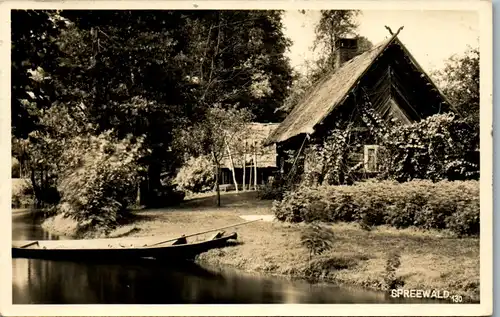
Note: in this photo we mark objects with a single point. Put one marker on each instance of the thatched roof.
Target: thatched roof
(331, 92)
(255, 133)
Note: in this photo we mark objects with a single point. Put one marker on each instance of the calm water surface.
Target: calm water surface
(58, 282)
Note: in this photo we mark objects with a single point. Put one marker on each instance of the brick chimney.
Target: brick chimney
(345, 49)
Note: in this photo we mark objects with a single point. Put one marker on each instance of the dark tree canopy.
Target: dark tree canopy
(33, 47)
(144, 73)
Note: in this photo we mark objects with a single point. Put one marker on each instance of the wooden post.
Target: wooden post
(244, 164)
(232, 166)
(138, 198)
(255, 164)
(251, 177)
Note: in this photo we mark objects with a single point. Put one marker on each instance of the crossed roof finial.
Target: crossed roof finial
(390, 31)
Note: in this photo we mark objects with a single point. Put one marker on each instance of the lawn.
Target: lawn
(430, 260)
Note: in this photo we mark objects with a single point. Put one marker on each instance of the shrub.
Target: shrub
(100, 181)
(465, 221)
(15, 168)
(391, 281)
(197, 175)
(317, 239)
(22, 193)
(424, 204)
(436, 148)
(273, 190)
(296, 205)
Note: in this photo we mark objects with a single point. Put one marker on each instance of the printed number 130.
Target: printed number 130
(456, 298)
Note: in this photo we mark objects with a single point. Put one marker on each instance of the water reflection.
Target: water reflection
(60, 282)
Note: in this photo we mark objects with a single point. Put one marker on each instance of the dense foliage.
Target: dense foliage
(440, 147)
(459, 81)
(212, 136)
(143, 75)
(274, 190)
(196, 175)
(422, 204)
(34, 56)
(99, 180)
(22, 194)
(317, 239)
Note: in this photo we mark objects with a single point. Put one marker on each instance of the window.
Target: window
(371, 158)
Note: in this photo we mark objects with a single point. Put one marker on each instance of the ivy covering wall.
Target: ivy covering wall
(439, 147)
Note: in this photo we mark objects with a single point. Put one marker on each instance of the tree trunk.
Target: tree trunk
(232, 166)
(154, 184)
(36, 190)
(138, 198)
(217, 188)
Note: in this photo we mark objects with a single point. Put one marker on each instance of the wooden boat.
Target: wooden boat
(117, 249)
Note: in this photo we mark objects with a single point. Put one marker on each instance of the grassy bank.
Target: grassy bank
(429, 259)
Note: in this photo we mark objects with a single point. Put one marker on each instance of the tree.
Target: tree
(364, 44)
(238, 58)
(180, 62)
(212, 135)
(34, 55)
(126, 68)
(145, 73)
(98, 180)
(332, 25)
(459, 80)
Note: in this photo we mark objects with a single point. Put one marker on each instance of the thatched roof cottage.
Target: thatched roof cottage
(388, 75)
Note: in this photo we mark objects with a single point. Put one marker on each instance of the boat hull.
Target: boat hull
(168, 253)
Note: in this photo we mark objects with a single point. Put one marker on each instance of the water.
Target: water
(58, 282)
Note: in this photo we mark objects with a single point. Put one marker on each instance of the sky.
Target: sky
(431, 36)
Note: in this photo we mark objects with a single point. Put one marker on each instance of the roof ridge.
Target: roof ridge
(381, 46)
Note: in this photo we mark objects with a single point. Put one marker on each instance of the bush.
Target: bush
(22, 193)
(465, 221)
(317, 239)
(15, 168)
(436, 148)
(100, 181)
(197, 175)
(423, 204)
(273, 190)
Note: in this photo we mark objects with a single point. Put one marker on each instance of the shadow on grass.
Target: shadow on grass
(234, 243)
(229, 200)
(134, 218)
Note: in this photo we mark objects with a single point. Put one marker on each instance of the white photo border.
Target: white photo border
(485, 307)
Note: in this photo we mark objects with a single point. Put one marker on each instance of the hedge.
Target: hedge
(422, 204)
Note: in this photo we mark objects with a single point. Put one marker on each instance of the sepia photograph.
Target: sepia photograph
(197, 154)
